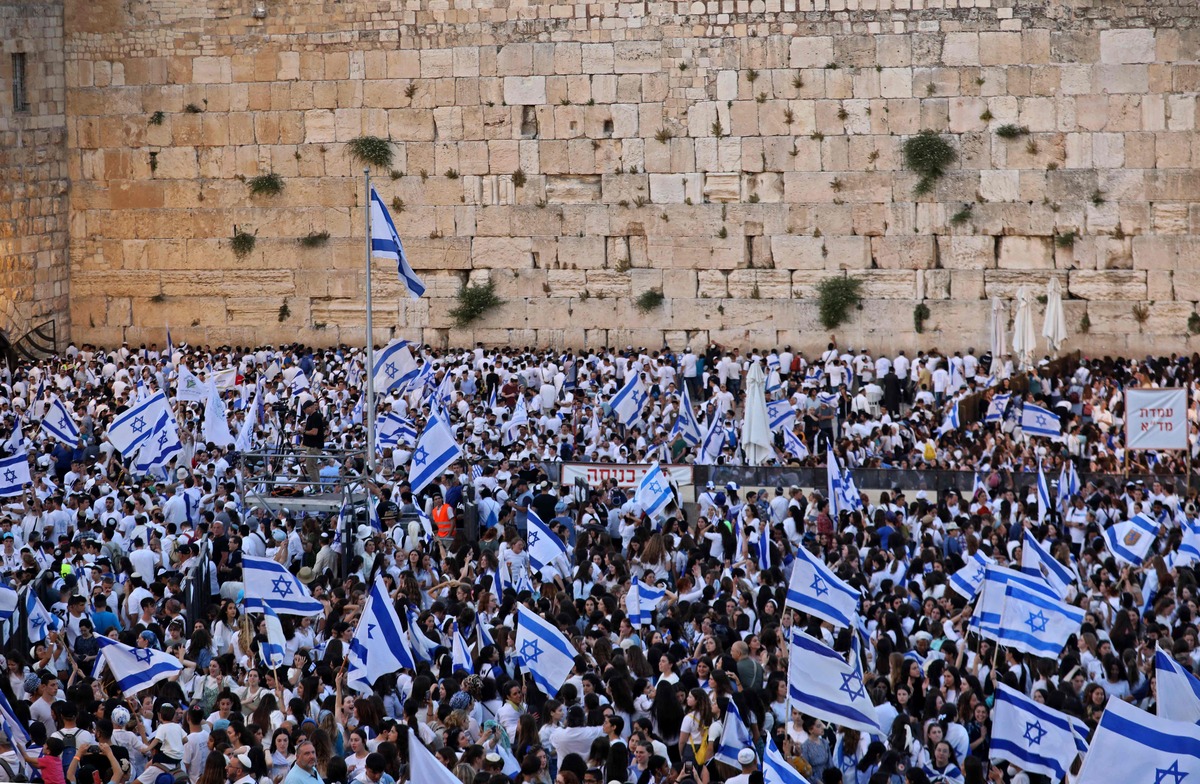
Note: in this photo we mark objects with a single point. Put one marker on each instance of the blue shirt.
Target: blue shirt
(298, 775)
(102, 621)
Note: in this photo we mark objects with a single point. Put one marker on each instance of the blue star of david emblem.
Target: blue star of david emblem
(391, 370)
(1041, 420)
(420, 456)
(281, 586)
(63, 424)
(1173, 773)
(533, 538)
(139, 424)
(37, 621)
(10, 476)
(977, 577)
(143, 655)
(1034, 732)
(1037, 622)
(162, 440)
(818, 585)
(852, 684)
(530, 651)
(654, 487)
(370, 628)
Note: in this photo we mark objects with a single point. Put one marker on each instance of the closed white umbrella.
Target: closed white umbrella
(999, 325)
(1055, 328)
(1024, 338)
(757, 444)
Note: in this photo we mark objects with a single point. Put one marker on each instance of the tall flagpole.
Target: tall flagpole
(369, 413)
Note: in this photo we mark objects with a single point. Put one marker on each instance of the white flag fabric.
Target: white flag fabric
(1037, 561)
(969, 579)
(380, 645)
(686, 425)
(1037, 421)
(520, 418)
(734, 738)
(545, 548)
(136, 424)
(391, 430)
(776, 769)
(394, 367)
(1032, 736)
(1035, 624)
(436, 450)
(985, 620)
(1129, 540)
(39, 621)
(423, 766)
(1044, 504)
(157, 451)
(59, 423)
(188, 386)
(816, 590)
(780, 415)
(835, 488)
(823, 684)
(654, 492)
(1178, 689)
(268, 583)
(641, 601)
(245, 436)
(460, 653)
(713, 441)
(627, 404)
(14, 474)
(386, 244)
(14, 729)
(216, 420)
(1132, 745)
(795, 447)
(8, 603)
(543, 651)
(274, 650)
(137, 668)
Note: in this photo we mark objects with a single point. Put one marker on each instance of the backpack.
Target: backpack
(70, 746)
(702, 753)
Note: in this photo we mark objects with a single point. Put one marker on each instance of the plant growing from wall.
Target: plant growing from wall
(1066, 240)
(473, 303)
(1085, 323)
(649, 300)
(242, 243)
(929, 155)
(835, 298)
(1010, 131)
(962, 216)
(315, 239)
(370, 151)
(1141, 314)
(920, 316)
(519, 178)
(285, 312)
(1193, 324)
(270, 184)
(157, 118)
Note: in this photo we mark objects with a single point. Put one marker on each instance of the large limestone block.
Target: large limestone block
(811, 51)
(1127, 46)
(712, 284)
(760, 284)
(795, 252)
(502, 252)
(903, 252)
(637, 57)
(1108, 284)
(1026, 253)
(721, 187)
(1004, 283)
(967, 252)
(960, 49)
(524, 90)
(573, 189)
(890, 284)
(680, 283)
(605, 283)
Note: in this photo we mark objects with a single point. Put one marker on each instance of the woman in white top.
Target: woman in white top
(356, 760)
(696, 724)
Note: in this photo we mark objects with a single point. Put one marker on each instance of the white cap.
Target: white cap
(747, 757)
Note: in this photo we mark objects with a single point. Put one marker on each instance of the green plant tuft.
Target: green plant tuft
(835, 298)
(987, 115)
(920, 316)
(159, 298)
(1085, 323)
(473, 303)
(1066, 240)
(752, 76)
(1010, 131)
(315, 239)
(723, 233)
(270, 184)
(717, 130)
(664, 135)
(285, 312)
(370, 151)
(929, 155)
(962, 216)
(649, 300)
(519, 178)
(1097, 197)
(1193, 324)
(192, 108)
(1141, 314)
(242, 242)
(452, 174)
(397, 204)
(157, 118)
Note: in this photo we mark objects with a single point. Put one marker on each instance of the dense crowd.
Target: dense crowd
(112, 552)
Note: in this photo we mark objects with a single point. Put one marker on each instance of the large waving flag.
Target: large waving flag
(188, 386)
(985, 620)
(795, 447)
(14, 729)
(520, 418)
(391, 430)
(835, 485)
(1189, 546)
(1032, 736)
(1178, 689)
(8, 602)
(216, 419)
(686, 425)
(268, 583)
(136, 424)
(461, 653)
(776, 769)
(1044, 504)
(422, 646)
(1037, 560)
(627, 404)
(1130, 540)
(39, 621)
(816, 590)
(1068, 484)
(543, 651)
(952, 420)
(1132, 745)
(157, 451)
(14, 474)
(245, 436)
(1035, 624)
(654, 492)
(436, 450)
(713, 441)
(823, 684)
(641, 601)
(274, 650)
(1037, 421)
(394, 366)
(780, 415)
(544, 545)
(423, 766)
(385, 244)
(734, 737)
(969, 579)
(59, 423)
(137, 668)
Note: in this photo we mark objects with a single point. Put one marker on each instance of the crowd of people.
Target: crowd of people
(112, 552)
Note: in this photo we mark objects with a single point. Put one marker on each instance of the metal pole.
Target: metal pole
(369, 412)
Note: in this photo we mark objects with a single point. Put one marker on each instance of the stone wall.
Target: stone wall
(730, 153)
(33, 170)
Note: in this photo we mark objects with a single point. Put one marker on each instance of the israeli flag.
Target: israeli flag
(627, 404)
(394, 367)
(373, 514)
(1037, 421)
(268, 583)
(686, 425)
(654, 492)
(1178, 689)
(969, 579)
(391, 430)
(776, 769)
(133, 427)
(985, 620)
(816, 590)
(494, 399)
(16, 439)
(520, 418)
(461, 654)
(245, 436)
(436, 450)
(380, 645)
(8, 602)
(543, 651)
(544, 545)
(1032, 736)
(734, 737)
(710, 445)
(795, 447)
(850, 493)
(1044, 504)
(136, 668)
(996, 408)
(977, 487)
(1035, 624)
(158, 450)
(423, 766)
(641, 601)
(422, 646)
(823, 684)
(835, 486)
(952, 421)
(39, 621)
(1129, 540)
(59, 423)
(1189, 546)
(1068, 484)
(780, 415)
(12, 725)
(385, 244)
(483, 637)
(274, 650)
(763, 545)
(828, 398)
(1037, 560)
(14, 474)
(1132, 745)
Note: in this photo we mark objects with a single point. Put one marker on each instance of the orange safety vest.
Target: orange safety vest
(443, 517)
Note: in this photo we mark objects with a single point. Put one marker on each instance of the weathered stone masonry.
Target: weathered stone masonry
(732, 153)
